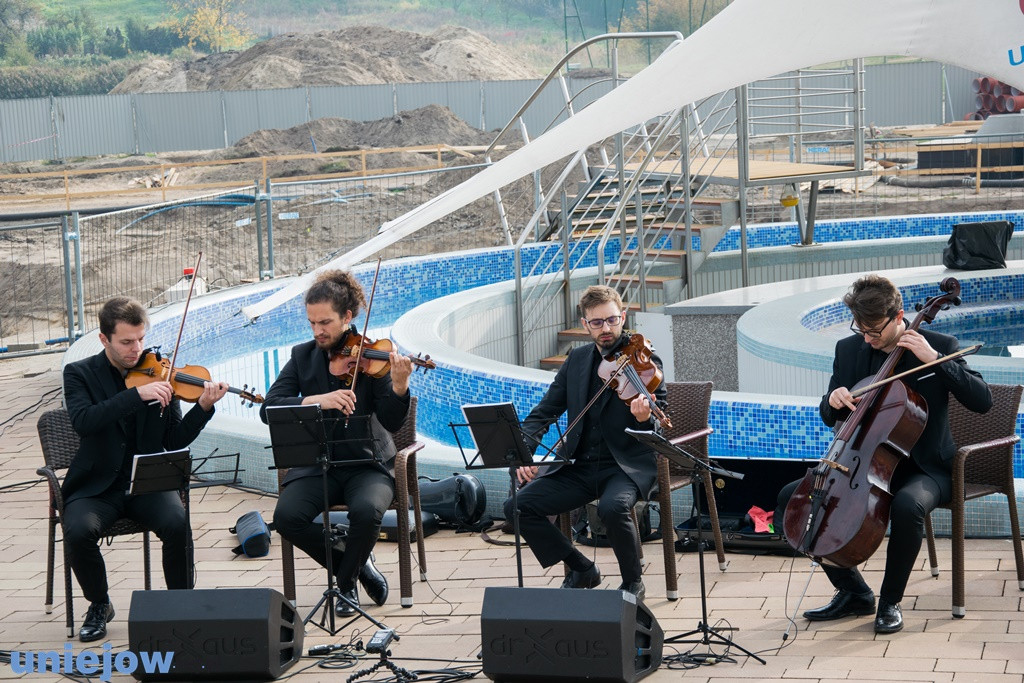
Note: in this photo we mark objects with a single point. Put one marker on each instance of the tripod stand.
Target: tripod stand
(708, 635)
(299, 439)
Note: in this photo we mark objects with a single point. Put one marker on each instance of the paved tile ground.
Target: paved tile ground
(752, 596)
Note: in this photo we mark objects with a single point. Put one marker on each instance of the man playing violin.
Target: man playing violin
(377, 407)
(605, 463)
(116, 423)
(921, 482)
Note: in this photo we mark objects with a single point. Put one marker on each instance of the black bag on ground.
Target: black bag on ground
(760, 486)
(458, 501)
(253, 535)
(978, 246)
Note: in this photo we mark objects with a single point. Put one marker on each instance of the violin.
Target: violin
(186, 381)
(374, 360)
(840, 510)
(639, 374)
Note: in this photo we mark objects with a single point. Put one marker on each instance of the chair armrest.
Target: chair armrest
(976, 449)
(405, 470)
(56, 497)
(691, 436)
(414, 447)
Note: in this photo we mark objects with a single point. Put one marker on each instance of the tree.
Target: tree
(214, 24)
(14, 14)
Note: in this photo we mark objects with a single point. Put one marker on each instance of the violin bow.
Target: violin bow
(366, 327)
(181, 327)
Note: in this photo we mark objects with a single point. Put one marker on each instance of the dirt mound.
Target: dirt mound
(428, 125)
(351, 56)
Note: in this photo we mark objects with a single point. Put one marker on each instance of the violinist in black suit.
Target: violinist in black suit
(115, 424)
(606, 463)
(924, 480)
(378, 408)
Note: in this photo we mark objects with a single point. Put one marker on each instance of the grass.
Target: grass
(112, 12)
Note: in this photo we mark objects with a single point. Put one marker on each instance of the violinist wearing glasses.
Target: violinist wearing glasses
(606, 463)
(115, 424)
(367, 489)
(919, 483)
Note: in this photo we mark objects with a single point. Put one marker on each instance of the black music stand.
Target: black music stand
(298, 438)
(500, 442)
(679, 456)
(166, 471)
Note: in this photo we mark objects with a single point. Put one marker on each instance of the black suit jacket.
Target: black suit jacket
(307, 374)
(98, 411)
(934, 450)
(568, 392)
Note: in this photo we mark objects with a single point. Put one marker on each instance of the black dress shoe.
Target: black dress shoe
(374, 583)
(343, 608)
(634, 587)
(844, 604)
(95, 626)
(585, 579)
(889, 618)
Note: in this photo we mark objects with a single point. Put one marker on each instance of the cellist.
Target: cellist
(921, 482)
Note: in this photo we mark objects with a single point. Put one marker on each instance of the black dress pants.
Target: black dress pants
(915, 495)
(572, 486)
(86, 521)
(367, 490)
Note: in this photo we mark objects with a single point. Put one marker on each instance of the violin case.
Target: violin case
(763, 479)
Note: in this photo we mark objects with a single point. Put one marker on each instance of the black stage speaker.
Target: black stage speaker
(564, 634)
(224, 634)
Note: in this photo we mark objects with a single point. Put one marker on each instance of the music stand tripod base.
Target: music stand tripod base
(679, 456)
(298, 437)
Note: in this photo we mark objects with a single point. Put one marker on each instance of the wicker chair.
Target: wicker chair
(406, 489)
(983, 465)
(60, 444)
(688, 406)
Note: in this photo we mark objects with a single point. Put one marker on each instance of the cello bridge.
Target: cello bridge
(836, 466)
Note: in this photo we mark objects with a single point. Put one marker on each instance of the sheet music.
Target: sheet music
(164, 471)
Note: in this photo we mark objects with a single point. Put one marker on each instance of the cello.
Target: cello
(839, 512)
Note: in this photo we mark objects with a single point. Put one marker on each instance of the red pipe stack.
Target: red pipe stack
(994, 97)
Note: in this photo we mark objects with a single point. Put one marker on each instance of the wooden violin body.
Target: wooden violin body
(374, 360)
(186, 381)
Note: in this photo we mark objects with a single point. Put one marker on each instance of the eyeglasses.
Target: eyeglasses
(598, 323)
(874, 334)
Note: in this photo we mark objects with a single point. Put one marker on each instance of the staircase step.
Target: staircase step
(574, 334)
(652, 281)
(633, 307)
(552, 362)
(660, 254)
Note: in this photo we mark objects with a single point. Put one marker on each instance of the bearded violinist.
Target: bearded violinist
(115, 424)
(605, 463)
(368, 488)
(921, 482)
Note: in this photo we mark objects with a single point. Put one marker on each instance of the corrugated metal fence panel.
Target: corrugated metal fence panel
(78, 136)
(465, 99)
(502, 100)
(241, 114)
(26, 132)
(281, 107)
(179, 120)
(246, 111)
(356, 102)
(959, 95)
(903, 94)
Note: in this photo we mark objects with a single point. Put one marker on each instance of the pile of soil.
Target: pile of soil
(358, 55)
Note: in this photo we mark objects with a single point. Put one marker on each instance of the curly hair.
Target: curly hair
(338, 287)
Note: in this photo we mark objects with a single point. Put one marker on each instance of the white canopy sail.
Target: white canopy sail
(747, 41)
